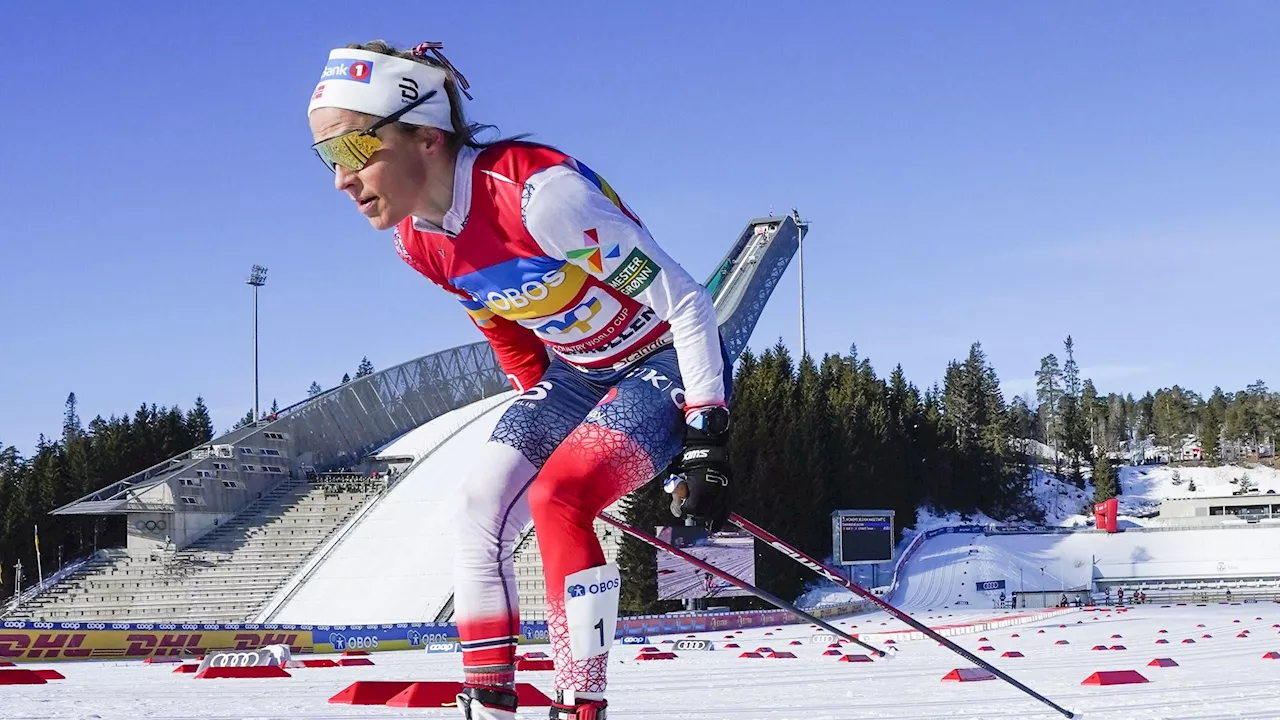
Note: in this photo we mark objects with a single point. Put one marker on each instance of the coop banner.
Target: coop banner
(733, 553)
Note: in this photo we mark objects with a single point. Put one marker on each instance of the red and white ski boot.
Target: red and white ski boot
(487, 703)
(577, 709)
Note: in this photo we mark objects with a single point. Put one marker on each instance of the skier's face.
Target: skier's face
(394, 181)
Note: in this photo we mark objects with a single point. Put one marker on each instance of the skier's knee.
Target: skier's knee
(552, 497)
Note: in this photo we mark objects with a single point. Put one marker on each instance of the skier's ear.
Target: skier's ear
(428, 138)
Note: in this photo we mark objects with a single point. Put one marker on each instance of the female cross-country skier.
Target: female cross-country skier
(544, 256)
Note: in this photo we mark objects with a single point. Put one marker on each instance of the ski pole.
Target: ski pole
(762, 594)
(830, 574)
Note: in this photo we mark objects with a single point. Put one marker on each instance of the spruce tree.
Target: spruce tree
(1106, 484)
(245, 421)
(1211, 421)
(1095, 417)
(345, 378)
(365, 368)
(1145, 416)
(1074, 430)
(71, 418)
(1049, 397)
(199, 423)
(314, 390)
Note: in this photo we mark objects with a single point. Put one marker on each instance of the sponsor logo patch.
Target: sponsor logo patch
(634, 275)
(579, 319)
(348, 69)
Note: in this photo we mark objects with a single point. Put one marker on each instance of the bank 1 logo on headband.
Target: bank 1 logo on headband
(347, 69)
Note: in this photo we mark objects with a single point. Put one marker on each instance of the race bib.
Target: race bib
(591, 609)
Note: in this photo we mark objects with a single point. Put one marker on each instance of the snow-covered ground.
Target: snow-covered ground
(1143, 487)
(944, 570)
(1216, 678)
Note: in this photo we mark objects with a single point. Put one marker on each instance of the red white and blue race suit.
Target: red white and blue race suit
(544, 255)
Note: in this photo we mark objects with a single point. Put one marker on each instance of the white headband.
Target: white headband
(378, 84)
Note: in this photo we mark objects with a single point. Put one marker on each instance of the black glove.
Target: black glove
(704, 464)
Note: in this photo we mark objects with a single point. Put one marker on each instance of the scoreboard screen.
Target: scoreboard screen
(862, 536)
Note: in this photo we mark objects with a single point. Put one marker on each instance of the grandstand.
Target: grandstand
(262, 524)
(226, 575)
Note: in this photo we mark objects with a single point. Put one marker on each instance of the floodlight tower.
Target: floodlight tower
(257, 278)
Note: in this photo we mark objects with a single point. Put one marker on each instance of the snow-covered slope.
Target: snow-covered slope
(396, 565)
(1143, 487)
(417, 441)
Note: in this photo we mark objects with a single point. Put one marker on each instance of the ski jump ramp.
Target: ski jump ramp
(395, 564)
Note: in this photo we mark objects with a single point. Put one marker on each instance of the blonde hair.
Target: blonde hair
(464, 133)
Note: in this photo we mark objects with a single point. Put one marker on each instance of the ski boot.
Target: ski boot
(577, 709)
(487, 703)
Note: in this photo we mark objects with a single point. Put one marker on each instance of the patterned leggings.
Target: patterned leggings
(565, 450)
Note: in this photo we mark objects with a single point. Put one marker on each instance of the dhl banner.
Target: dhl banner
(45, 641)
(99, 641)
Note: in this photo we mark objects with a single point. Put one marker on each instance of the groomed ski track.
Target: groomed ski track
(1217, 678)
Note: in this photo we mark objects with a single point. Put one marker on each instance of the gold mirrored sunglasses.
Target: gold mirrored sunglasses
(353, 149)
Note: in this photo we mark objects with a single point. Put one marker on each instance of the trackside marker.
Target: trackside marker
(444, 694)
(653, 656)
(20, 677)
(369, 692)
(1114, 677)
(968, 675)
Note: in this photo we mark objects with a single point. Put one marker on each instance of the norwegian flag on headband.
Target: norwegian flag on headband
(434, 48)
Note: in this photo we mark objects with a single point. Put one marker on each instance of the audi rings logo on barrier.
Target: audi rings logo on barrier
(151, 525)
(262, 657)
(684, 645)
(235, 659)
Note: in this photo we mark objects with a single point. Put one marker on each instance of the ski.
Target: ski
(831, 574)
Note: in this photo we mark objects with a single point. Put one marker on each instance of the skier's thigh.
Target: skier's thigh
(544, 415)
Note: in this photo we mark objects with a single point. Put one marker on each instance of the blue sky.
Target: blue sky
(998, 171)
